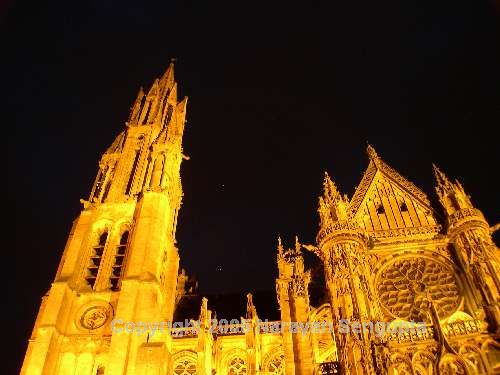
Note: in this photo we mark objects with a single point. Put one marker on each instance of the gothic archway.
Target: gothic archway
(235, 363)
(491, 355)
(451, 364)
(184, 363)
(399, 364)
(274, 364)
(324, 348)
(472, 354)
(423, 363)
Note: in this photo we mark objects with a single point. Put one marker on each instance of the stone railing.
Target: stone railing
(339, 226)
(225, 329)
(231, 329)
(184, 331)
(216, 329)
(460, 328)
(419, 333)
(429, 230)
(422, 333)
(465, 213)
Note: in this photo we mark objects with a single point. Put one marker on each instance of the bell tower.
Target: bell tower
(120, 262)
(343, 247)
(293, 299)
(474, 250)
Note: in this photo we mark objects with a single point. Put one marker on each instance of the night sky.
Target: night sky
(277, 95)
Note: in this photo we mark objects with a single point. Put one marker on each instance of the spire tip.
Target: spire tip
(370, 150)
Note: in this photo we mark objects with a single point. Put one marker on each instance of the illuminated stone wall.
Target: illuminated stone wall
(386, 258)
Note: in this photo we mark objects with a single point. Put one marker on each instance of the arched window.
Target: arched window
(106, 191)
(185, 366)
(157, 171)
(170, 110)
(237, 366)
(276, 365)
(380, 209)
(95, 259)
(453, 202)
(101, 177)
(141, 107)
(119, 262)
(128, 188)
(145, 118)
(132, 172)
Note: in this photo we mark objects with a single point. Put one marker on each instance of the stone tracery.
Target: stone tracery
(405, 285)
(381, 252)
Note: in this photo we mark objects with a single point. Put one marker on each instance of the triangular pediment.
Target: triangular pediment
(386, 203)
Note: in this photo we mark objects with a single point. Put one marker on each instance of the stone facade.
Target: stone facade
(386, 259)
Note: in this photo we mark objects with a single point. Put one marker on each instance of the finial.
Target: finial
(327, 178)
(441, 178)
(451, 194)
(297, 244)
(327, 181)
(168, 76)
(280, 246)
(372, 154)
(494, 228)
(437, 171)
(330, 191)
(251, 311)
(249, 300)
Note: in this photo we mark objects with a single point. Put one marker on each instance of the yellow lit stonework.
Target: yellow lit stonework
(386, 258)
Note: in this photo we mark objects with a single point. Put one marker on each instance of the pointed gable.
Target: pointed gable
(386, 201)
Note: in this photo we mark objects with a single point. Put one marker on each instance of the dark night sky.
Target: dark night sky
(277, 95)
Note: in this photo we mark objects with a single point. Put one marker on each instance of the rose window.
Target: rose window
(237, 367)
(405, 285)
(95, 317)
(277, 365)
(185, 367)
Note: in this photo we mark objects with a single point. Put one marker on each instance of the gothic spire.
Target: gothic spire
(136, 107)
(251, 310)
(330, 191)
(372, 154)
(451, 194)
(297, 245)
(154, 89)
(168, 77)
(442, 181)
(332, 205)
(280, 246)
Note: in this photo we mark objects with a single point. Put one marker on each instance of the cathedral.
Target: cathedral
(401, 290)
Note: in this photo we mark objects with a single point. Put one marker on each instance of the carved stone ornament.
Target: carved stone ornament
(94, 315)
(405, 284)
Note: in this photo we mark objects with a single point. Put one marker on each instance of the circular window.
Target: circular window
(94, 315)
(405, 285)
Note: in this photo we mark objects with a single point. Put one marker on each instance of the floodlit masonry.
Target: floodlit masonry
(385, 255)
(235, 326)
